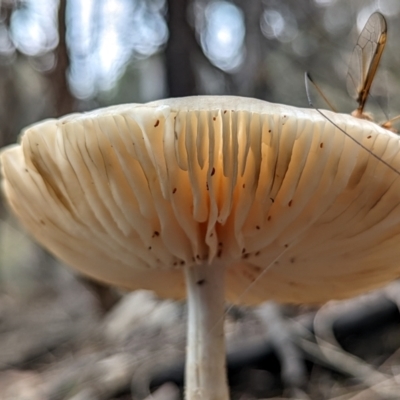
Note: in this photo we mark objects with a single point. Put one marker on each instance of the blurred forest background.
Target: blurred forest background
(77, 55)
(58, 57)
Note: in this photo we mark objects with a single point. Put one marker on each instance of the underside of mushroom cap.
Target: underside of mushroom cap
(133, 194)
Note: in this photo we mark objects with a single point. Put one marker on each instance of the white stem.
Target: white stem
(205, 355)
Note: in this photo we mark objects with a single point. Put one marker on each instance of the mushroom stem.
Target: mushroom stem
(205, 356)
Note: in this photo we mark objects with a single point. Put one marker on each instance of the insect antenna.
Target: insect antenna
(321, 93)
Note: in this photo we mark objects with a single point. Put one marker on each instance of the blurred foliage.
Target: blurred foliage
(130, 50)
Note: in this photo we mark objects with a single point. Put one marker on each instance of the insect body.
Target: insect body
(364, 63)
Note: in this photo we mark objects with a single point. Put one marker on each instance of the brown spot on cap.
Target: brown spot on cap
(269, 218)
(369, 137)
(157, 123)
(258, 227)
(214, 118)
(321, 145)
(174, 191)
(213, 171)
(201, 282)
(290, 203)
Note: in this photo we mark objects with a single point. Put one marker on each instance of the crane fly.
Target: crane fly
(363, 65)
(365, 60)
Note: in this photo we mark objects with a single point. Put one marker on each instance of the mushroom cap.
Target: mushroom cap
(133, 194)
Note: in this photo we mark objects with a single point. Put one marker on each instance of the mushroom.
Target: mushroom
(217, 198)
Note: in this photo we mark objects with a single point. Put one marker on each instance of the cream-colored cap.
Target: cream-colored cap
(133, 194)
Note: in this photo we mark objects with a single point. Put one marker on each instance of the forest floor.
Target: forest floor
(58, 341)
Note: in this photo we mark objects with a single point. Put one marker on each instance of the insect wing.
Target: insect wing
(365, 58)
